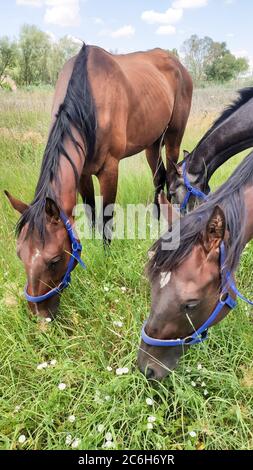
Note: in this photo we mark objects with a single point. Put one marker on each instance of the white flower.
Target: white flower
(108, 436)
(199, 367)
(22, 439)
(192, 433)
(188, 369)
(119, 371)
(118, 323)
(17, 408)
(100, 428)
(106, 289)
(123, 289)
(193, 384)
(109, 368)
(43, 365)
(107, 398)
(150, 426)
(68, 439)
(151, 419)
(203, 384)
(48, 319)
(149, 401)
(108, 445)
(116, 301)
(125, 370)
(75, 443)
(62, 386)
(205, 392)
(53, 362)
(71, 418)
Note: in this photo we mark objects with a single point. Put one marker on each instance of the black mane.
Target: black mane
(230, 197)
(76, 112)
(244, 96)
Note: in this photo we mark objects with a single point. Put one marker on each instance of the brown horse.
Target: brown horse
(106, 107)
(187, 282)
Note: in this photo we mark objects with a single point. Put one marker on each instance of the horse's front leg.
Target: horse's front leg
(155, 162)
(108, 180)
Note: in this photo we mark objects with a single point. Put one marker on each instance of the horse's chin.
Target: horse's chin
(158, 363)
(47, 309)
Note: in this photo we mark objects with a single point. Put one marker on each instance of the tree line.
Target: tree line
(35, 59)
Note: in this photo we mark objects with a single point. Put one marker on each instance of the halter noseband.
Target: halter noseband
(201, 334)
(66, 280)
(191, 191)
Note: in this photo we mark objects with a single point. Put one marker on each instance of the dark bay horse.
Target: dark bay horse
(106, 107)
(192, 286)
(231, 133)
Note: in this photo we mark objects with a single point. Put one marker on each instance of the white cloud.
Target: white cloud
(52, 36)
(75, 39)
(98, 20)
(124, 31)
(229, 2)
(63, 12)
(230, 35)
(30, 3)
(184, 4)
(170, 16)
(166, 29)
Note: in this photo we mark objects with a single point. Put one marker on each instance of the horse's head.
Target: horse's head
(45, 261)
(183, 298)
(178, 188)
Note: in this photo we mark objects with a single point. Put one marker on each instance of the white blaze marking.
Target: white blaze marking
(165, 279)
(36, 255)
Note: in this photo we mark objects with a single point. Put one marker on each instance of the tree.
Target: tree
(196, 54)
(61, 51)
(8, 56)
(35, 48)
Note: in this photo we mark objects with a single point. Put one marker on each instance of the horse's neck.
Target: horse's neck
(248, 196)
(234, 135)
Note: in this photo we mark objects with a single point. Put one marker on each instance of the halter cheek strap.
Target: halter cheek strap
(191, 191)
(201, 334)
(76, 249)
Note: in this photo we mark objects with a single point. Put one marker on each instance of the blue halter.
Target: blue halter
(191, 191)
(201, 334)
(66, 280)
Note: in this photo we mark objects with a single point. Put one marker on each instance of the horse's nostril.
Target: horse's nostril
(150, 373)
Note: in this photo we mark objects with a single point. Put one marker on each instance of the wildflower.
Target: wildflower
(17, 408)
(109, 368)
(205, 392)
(150, 426)
(43, 365)
(118, 323)
(193, 384)
(119, 371)
(68, 439)
(199, 367)
(116, 301)
(53, 362)
(188, 369)
(75, 443)
(108, 436)
(107, 398)
(125, 370)
(106, 289)
(48, 319)
(203, 384)
(100, 428)
(149, 401)
(62, 386)
(123, 289)
(71, 418)
(192, 433)
(108, 445)
(151, 419)
(22, 439)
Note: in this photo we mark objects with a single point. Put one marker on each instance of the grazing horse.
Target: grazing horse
(192, 286)
(231, 133)
(106, 107)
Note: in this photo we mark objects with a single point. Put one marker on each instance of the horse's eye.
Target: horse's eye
(191, 306)
(54, 263)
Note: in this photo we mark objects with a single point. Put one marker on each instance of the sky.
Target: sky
(132, 25)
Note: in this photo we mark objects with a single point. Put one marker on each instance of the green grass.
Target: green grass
(84, 340)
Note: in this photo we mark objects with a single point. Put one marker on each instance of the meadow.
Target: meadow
(207, 403)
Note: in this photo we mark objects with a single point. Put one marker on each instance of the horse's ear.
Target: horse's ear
(215, 230)
(186, 153)
(52, 210)
(16, 203)
(169, 213)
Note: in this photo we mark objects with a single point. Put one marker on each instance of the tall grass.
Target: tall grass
(210, 394)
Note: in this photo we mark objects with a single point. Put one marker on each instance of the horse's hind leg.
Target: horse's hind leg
(108, 180)
(86, 189)
(158, 169)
